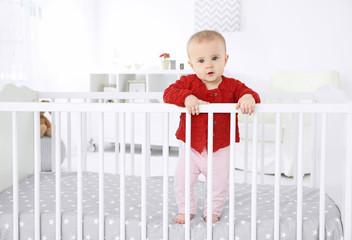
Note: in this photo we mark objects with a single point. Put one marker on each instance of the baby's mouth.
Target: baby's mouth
(210, 73)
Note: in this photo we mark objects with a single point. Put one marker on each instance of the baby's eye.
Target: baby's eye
(201, 60)
(214, 58)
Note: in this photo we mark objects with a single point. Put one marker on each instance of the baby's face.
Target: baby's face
(208, 59)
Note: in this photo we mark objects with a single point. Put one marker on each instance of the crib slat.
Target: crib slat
(101, 176)
(58, 174)
(122, 179)
(53, 139)
(187, 177)
(132, 146)
(322, 178)
(299, 177)
(166, 177)
(314, 151)
(144, 178)
(15, 175)
(277, 177)
(210, 176)
(232, 177)
(148, 145)
(246, 148)
(37, 170)
(262, 148)
(68, 139)
(348, 180)
(117, 143)
(84, 137)
(254, 179)
(79, 179)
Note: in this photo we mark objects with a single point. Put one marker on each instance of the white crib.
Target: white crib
(332, 158)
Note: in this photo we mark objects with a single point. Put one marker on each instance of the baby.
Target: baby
(207, 57)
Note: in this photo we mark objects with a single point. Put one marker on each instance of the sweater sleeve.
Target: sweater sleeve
(177, 92)
(242, 89)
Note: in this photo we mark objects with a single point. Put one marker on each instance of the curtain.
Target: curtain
(19, 51)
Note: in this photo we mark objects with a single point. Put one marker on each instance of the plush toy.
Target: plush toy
(45, 125)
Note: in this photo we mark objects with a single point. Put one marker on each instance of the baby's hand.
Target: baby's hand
(246, 103)
(192, 104)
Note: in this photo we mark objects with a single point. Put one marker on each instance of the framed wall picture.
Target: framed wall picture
(136, 86)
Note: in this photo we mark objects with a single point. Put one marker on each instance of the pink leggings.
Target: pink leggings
(221, 159)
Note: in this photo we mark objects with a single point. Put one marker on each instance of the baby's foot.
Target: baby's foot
(215, 219)
(181, 218)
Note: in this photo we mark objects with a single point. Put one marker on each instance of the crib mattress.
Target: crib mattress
(265, 207)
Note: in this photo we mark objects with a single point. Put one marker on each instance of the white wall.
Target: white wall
(294, 35)
(80, 37)
(68, 43)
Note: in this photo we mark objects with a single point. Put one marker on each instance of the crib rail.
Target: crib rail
(146, 108)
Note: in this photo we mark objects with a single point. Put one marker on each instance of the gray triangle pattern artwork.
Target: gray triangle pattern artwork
(218, 15)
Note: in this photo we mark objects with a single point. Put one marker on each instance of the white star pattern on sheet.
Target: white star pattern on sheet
(315, 232)
(133, 212)
(6, 225)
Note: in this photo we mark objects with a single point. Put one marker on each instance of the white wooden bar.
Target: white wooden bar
(210, 177)
(262, 162)
(314, 151)
(277, 177)
(58, 175)
(117, 142)
(68, 140)
(187, 177)
(348, 180)
(101, 175)
(163, 107)
(322, 178)
(246, 148)
(299, 176)
(84, 135)
(79, 179)
(148, 145)
(296, 140)
(122, 178)
(166, 177)
(53, 137)
(232, 176)
(254, 179)
(144, 177)
(15, 175)
(132, 145)
(37, 170)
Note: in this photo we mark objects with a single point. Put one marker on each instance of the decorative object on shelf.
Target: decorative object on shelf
(182, 66)
(136, 86)
(172, 64)
(165, 61)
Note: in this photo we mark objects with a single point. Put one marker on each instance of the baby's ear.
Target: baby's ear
(226, 58)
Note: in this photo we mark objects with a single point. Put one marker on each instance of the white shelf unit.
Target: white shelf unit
(155, 81)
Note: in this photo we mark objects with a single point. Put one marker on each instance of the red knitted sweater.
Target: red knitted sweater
(229, 91)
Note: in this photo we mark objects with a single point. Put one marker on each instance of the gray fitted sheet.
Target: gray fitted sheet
(265, 209)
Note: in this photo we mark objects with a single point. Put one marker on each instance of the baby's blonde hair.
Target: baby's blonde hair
(205, 35)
